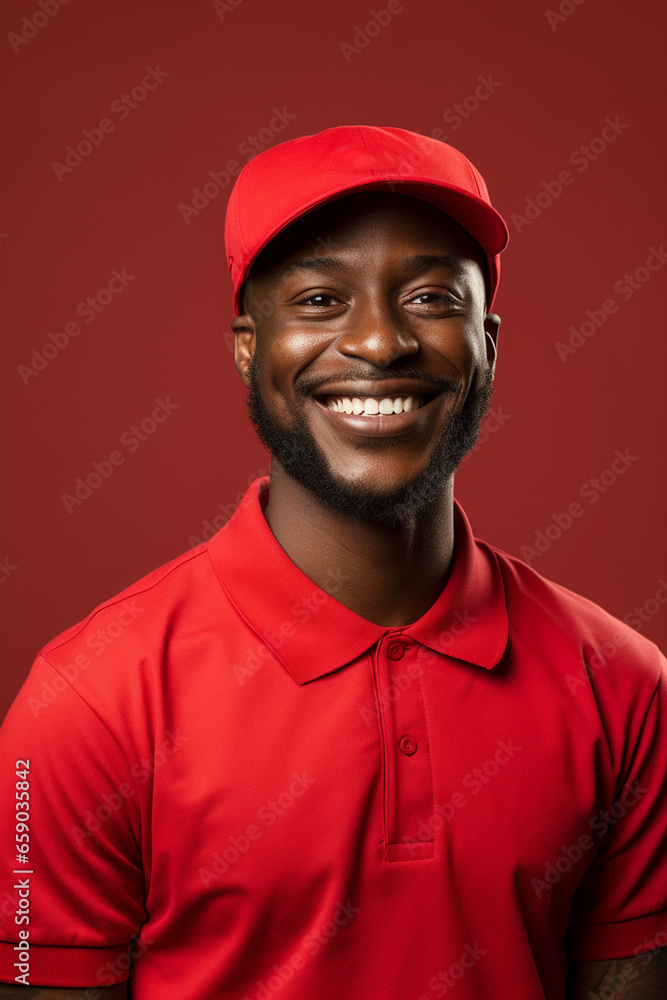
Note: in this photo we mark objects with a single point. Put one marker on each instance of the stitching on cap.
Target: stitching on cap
(471, 174)
(361, 134)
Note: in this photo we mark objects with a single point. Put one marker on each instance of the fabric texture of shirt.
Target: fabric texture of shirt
(238, 787)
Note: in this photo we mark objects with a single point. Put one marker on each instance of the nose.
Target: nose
(376, 334)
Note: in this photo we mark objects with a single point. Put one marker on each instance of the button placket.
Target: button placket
(409, 801)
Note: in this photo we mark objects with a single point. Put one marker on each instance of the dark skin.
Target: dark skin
(386, 318)
(639, 977)
(382, 316)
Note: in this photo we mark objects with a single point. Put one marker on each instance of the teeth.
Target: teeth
(371, 406)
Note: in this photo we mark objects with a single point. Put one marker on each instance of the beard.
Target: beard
(298, 453)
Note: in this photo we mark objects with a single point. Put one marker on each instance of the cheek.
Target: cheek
(301, 345)
(477, 352)
(282, 357)
(463, 349)
(290, 355)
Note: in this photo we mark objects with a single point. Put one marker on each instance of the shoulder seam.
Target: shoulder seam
(53, 644)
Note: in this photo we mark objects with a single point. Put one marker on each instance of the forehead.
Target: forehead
(368, 220)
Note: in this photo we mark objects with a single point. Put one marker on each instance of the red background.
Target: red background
(167, 333)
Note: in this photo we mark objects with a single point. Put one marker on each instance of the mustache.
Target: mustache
(308, 386)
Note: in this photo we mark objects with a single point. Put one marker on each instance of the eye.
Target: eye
(322, 299)
(433, 298)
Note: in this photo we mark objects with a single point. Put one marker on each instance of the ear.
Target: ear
(491, 330)
(245, 336)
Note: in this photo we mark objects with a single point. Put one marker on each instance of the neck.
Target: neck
(389, 576)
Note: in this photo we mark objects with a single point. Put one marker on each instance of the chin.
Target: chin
(375, 484)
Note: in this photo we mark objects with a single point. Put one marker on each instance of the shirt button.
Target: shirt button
(408, 746)
(395, 650)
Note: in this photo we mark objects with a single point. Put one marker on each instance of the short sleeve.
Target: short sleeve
(78, 899)
(620, 906)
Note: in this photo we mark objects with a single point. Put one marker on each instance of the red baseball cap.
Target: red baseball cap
(290, 179)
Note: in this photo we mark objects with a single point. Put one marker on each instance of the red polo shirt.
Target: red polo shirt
(239, 788)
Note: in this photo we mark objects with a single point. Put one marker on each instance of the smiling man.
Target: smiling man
(345, 749)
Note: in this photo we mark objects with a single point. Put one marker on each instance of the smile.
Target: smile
(378, 416)
(370, 406)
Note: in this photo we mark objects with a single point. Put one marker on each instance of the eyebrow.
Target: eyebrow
(313, 264)
(415, 265)
(427, 262)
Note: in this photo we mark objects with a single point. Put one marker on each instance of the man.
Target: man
(345, 749)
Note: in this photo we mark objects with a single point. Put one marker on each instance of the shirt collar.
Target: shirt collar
(312, 633)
